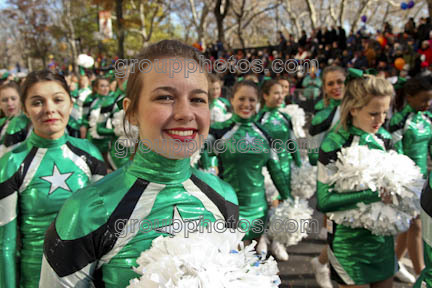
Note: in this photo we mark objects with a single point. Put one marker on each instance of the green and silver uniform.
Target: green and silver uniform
(219, 110)
(426, 218)
(35, 179)
(121, 146)
(279, 125)
(74, 122)
(16, 132)
(80, 97)
(319, 106)
(4, 123)
(242, 148)
(356, 256)
(98, 117)
(412, 134)
(321, 124)
(102, 229)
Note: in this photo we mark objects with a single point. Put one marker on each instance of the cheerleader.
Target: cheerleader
(285, 90)
(280, 128)
(220, 106)
(39, 175)
(97, 235)
(323, 121)
(411, 130)
(425, 279)
(10, 106)
(243, 147)
(91, 113)
(328, 116)
(357, 257)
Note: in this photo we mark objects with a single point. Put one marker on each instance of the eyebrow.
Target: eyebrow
(36, 96)
(174, 90)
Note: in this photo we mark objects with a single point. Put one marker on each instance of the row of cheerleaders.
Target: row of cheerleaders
(71, 225)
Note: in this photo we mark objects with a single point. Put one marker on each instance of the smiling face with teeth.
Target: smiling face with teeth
(172, 112)
(244, 101)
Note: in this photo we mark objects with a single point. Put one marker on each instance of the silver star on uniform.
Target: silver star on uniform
(275, 122)
(169, 229)
(57, 180)
(249, 139)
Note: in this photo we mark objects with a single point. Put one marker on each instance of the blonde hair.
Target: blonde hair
(359, 92)
(329, 69)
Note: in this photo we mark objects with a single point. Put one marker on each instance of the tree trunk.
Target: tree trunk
(312, 13)
(429, 2)
(71, 35)
(220, 16)
(362, 10)
(120, 30)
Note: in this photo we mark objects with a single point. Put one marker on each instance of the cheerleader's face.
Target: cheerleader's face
(334, 85)
(420, 101)
(275, 98)
(9, 102)
(285, 87)
(372, 116)
(215, 89)
(244, 102)
(103, 87)
(173, 113)
(48, 106)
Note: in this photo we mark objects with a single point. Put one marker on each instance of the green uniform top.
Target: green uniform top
(319, 106)
(16, 132)
(412, 134)
(243, 147)
(321, 124)
(102, 229)
(35, 179)
(4, 123)
(80, 97)
(219, 110)
(426, 218)
(312, 87)
(356, 255)
(280, 127)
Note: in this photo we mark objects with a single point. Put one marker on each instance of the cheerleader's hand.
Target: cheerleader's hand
(386, 196)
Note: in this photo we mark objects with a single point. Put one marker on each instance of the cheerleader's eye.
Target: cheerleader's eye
(37, 103)
(164, 98)
(199, 100)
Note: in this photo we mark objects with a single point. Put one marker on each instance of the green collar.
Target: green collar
(238, 119)
(154, 167)
(41, 142)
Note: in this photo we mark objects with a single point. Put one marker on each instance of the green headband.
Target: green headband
(354, 73)
(399, 83)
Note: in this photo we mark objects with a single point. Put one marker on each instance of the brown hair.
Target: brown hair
(41, 76)
(359, 92)
(265, 89)
(329, 69)
(247, 83)
(162, 49)
(10, 84)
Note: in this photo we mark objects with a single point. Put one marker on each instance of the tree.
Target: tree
(221, 11)
(34, 21)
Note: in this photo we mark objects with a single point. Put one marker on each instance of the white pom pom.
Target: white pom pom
(195, 158)
(359, 168)
(179, 262)
(271, 190)
(85, 61)
(298, 120)
(287, 224)
(93, 120)
(303, 180)
(119, 130)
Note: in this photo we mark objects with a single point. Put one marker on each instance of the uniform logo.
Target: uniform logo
(57, 180)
